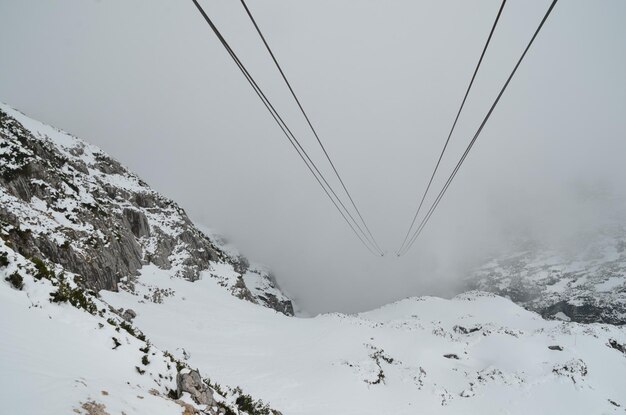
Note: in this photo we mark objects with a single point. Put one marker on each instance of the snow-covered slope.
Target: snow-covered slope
(586, 284)
(168, 309)
(64, 350)
(476, 353)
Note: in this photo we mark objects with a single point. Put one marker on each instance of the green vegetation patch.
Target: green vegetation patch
(4, 259)
(16, 280)
(74, 296)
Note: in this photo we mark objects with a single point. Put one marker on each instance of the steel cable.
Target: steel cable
(285, 129)
(476, 135)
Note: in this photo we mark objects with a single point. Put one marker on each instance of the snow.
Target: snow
(559, 286)
(562, 316)
(475, 353)
(55, 357)
(325, 364)
(44, 131)
(610, 284)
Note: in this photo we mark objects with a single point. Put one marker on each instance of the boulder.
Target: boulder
(191, 382)
(129, 314)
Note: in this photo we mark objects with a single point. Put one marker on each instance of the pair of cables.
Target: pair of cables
(410, 238)
(358, 227)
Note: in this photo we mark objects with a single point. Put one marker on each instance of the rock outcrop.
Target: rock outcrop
(190, 381)
(584, 285)
(65, 201)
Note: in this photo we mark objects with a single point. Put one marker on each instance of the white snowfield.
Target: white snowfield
(477, 353)
(391, 360)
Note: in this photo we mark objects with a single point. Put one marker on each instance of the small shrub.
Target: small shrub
(16, 280)
(116, 342)
(380, 378)
(247, 404)
(4, 259)
(179, 365)
(140, 370)
(215, 386)
(225, 409)
(131, 330)
(74, 296)
(144, 360)
(41, 270)
(128, 328)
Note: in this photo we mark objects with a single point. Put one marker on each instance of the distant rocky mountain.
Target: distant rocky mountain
(586, 284)
(65, 201)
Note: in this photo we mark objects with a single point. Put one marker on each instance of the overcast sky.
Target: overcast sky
(381, 80)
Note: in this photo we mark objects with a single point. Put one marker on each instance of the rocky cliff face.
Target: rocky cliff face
(586, 285)
(65, 201)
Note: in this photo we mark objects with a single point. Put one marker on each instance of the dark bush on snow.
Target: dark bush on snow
(16, 280)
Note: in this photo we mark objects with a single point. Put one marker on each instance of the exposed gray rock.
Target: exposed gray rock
(137, 221)
(191, 382)
(68, 203)
(272, 301)
(586, 284)
(129, 314)
(261, 285)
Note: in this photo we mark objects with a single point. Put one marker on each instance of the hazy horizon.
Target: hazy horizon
(148, 83)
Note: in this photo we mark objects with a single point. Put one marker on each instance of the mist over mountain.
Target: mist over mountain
(312, 208)
(381, 83)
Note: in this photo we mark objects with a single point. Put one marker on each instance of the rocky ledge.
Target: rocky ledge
(65, 201)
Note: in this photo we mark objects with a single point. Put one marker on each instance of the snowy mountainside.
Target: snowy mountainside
(65, 350)
(476, 353)
(65, 201)
(587, 284)
(114, 303)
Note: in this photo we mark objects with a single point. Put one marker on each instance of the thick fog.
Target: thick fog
(148, 82)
